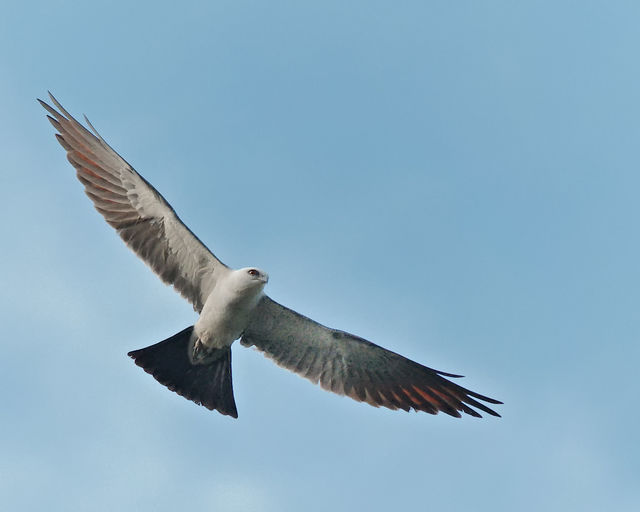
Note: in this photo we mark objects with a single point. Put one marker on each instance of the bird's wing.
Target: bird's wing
(352, 366)
(137, 211)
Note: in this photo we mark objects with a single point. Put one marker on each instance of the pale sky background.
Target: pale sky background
(456, 181)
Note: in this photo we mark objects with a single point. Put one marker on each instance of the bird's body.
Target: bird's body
(196, 362)
(228, 308)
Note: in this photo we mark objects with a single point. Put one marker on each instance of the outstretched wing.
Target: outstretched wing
(352, 366)
(137, 211)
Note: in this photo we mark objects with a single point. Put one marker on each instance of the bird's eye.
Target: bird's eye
(253, 272)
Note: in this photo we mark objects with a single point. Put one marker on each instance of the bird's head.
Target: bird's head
(251, 278)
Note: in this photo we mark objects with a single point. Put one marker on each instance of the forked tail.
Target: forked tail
(207, 384)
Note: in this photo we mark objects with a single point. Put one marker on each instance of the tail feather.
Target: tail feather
(208, 384)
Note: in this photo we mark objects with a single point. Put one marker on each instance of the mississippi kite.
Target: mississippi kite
(196, 362)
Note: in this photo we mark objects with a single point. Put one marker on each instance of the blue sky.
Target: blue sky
(456, 181)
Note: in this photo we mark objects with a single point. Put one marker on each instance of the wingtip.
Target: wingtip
(472, 412)
(44, 104)
(490, 400)
(451, 375)
(490, 411)
(493, 413)
(95, 132)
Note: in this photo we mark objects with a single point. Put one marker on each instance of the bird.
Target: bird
(196, 362)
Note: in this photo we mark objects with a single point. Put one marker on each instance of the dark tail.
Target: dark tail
(205, 384)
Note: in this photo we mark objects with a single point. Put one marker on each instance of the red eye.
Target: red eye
(253, 272)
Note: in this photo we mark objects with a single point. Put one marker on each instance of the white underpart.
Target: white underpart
(227, 310)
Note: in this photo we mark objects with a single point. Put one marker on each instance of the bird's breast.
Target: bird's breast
(225, 315)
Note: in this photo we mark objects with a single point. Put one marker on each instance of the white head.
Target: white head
(250, 278)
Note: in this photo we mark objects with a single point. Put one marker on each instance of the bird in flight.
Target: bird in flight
(196, 362)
